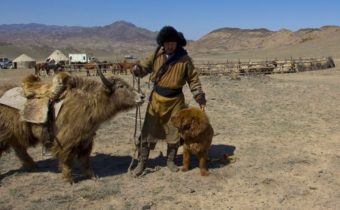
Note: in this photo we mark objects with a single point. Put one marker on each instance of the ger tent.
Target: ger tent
(23, 62)
(58, 56)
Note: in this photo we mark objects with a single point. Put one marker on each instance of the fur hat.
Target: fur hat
(181, 40)
(168, 34)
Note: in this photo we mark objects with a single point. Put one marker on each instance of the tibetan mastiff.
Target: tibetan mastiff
(196, 132)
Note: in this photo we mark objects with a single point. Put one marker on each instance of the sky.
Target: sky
(195, 18)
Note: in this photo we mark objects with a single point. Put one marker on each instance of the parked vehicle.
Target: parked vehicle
(5, 63)
(80, 58)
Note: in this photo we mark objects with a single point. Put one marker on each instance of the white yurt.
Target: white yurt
(58, 56)
(23, 62)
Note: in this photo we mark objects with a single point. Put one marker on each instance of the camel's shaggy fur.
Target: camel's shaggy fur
(87, 104)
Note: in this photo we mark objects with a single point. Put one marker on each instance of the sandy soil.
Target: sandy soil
(283, 129)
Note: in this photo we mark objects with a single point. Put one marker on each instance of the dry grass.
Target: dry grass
(284, 130)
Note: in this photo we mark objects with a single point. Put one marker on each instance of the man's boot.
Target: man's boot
(171, 155)
(143, 155)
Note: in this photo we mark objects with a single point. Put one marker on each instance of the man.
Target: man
(170, 68)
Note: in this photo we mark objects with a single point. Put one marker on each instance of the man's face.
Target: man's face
(170, 47)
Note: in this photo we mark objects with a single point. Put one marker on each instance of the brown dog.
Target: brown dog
(195, 129)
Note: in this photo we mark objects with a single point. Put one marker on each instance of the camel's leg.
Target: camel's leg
(65, 164)
(3, 147)
(84, 161)
(86, 166)
(25, 158)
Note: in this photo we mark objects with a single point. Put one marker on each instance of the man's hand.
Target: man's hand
(200, 99)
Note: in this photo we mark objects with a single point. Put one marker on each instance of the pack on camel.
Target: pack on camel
(86, 105)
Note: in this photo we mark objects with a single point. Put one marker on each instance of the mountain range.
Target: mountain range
(120, 38)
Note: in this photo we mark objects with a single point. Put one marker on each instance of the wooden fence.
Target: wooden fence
(265, 67)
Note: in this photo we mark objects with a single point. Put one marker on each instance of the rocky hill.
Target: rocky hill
(120, 38)
(236, 43)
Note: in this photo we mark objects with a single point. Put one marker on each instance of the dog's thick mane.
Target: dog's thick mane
(201, 119)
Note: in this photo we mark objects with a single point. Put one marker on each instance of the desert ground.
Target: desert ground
(283, 130)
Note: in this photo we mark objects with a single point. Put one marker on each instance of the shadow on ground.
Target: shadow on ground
(105, 165)
(216, 153)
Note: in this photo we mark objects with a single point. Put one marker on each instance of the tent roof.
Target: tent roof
(23, 58)
(57, 55)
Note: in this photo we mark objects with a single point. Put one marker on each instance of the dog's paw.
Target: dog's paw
(204, 173)
(184, 169)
